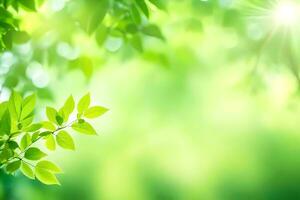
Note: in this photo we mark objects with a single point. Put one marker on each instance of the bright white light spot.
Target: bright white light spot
(113, 44)
(67, 51)
(37, 74)
(286, 13)
(7, 59)
(4, 95)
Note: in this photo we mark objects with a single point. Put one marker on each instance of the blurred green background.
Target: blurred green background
(188, 119)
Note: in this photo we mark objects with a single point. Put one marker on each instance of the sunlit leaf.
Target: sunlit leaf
(45, 172)
(84, 103)
(28, 105)
(50, 142)
(34, 153)
(95, 111)
(25, 141)
(84, 128)
(27, 170)
(64, 140)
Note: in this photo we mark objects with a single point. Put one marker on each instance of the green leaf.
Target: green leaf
(84, 103)
(3, 108)
(13, 145)
(161, 4)
(34, 153)
(28, 106)
(5, 127)
(136, 42)
(68, 108)
(49, 166)
(59, 119)
(20, 37)
(51, 114)
(64, 140)
(5, 154)
(27, 171)
(101, 35)
(45, 171)
(46, 177)
(143, 6)
(25, 141)
(33, 127)
(4, 13)
(35, 136)
(95, 111)
(135, 14)
(13, 166)
(15, 105)
(28, 4)
(84, 128)
(26, 122)
(97, 14)
(50, 143)
(153, 30)
(45, 133)
(48, 126)
(7, 41)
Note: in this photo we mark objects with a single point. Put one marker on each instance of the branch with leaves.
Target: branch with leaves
(20, 136)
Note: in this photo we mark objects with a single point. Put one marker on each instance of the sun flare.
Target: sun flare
(286, 13)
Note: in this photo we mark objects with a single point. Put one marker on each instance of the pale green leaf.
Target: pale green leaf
(48, 126)
(84, 127)
(64, 140)
(51, 114)
(84, 103)
(49, 166)
(26, 170)
(68, 108)
(46, 177)
(95, 111)
(28, 106)
(50, 143)
(15, 105)
(25, 141)
(33, 127)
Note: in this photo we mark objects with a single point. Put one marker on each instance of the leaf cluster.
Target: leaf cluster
(20, 135)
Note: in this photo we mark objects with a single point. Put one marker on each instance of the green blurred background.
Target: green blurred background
(188, 119)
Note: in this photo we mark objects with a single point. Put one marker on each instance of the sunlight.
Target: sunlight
(286, 13)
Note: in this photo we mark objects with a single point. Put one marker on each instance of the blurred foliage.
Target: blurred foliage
(117, 21)
(204, 95)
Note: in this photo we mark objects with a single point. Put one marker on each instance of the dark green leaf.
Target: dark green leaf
(28, 4)
(153, 30)
(13, 166)
(143, 6)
